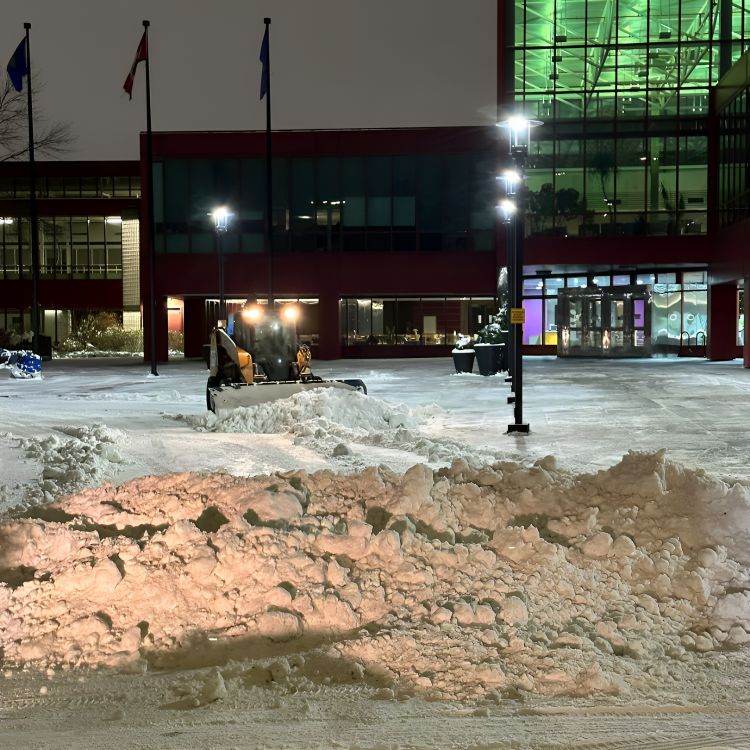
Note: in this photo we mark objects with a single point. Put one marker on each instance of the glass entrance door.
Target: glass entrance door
(604, 322)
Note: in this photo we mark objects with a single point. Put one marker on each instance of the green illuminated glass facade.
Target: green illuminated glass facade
(733, 110)
(622, 87)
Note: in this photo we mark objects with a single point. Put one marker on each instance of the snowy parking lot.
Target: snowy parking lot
(388, 571)
(588, 414)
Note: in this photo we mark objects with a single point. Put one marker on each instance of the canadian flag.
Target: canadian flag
(141, 54)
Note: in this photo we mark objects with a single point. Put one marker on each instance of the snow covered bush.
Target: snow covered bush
(463, 342)
(492, 333)
(103, 332)
(176, 341)
(10, 339)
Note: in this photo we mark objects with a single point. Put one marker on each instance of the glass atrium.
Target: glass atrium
(622, 87)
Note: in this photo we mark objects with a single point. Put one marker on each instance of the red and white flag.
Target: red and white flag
(141, 54)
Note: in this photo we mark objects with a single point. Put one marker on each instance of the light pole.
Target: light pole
(221, 218)
(511, 181)
(519, 138)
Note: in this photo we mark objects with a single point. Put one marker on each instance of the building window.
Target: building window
(332, 203)
(79, 247)
(413, 321)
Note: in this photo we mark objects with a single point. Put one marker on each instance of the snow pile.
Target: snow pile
(90, 353)
(329, 419)
(170, 396)
(84, 456)
(461, 583)
(93, 352)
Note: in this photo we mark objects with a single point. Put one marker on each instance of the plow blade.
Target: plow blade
(224, 399)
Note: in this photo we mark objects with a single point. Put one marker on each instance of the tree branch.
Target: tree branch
(50, 141)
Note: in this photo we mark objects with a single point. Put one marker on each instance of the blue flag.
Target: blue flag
(264, 59)
(18, 66)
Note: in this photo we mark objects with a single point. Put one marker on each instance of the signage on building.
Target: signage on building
(517, 315)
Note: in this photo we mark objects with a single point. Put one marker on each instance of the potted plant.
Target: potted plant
(490, 349)
(463, 354)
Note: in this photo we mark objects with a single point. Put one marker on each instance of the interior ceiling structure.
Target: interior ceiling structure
(597, 48)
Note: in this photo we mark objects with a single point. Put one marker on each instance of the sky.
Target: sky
(334, 64)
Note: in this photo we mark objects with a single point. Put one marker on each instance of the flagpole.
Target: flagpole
(151, 220)
(33, 217)
(269, 177)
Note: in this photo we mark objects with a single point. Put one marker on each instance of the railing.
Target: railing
(96, 271)
(692, 350)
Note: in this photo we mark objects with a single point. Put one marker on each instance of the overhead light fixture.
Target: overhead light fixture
(114, 220)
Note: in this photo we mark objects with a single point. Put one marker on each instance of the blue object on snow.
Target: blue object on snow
(27, 363)
(22, 364)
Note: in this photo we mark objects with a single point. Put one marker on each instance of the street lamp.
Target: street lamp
(519, 138)
(221, 217)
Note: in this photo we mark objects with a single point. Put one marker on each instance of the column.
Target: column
(329, 333)
(722, 321)
(194, 326)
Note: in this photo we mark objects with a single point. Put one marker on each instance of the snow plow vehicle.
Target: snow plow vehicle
(261, 359)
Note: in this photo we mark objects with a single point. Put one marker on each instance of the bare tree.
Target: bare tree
(49, 140)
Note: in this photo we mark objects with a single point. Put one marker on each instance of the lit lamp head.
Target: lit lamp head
(519, 133)
(221, 218)
(290, 313)
(507, 209)
(511, 180)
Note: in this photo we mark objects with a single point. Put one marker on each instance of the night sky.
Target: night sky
(335, 64)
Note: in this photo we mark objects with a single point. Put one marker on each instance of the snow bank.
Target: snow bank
(326, 419)
(459, 583)
(83, 456)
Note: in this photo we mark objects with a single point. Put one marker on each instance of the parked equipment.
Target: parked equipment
(262, 360)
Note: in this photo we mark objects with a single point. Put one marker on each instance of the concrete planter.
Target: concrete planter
(490, 358)
(463, 360)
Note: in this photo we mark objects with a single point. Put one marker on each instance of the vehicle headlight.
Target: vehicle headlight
(290, 313)
(252, 314)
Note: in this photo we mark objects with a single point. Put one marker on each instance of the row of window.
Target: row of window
(425, 202)
(72, 187)
(734, 170)
(77, 247)
(679, 309)
(413, 320)
(618, 186)
(573, 59)
(620, 22)
(679, 300)
(439, 320)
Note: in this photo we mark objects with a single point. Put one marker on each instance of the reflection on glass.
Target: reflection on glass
(532, 328)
